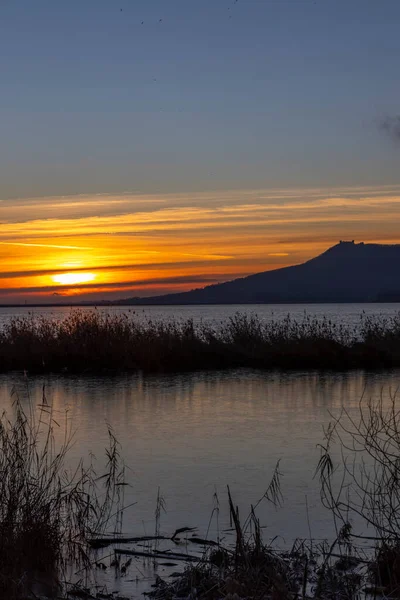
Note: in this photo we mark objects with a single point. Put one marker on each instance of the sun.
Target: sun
(73, 278)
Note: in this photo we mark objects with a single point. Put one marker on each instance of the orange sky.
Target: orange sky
(107, 247)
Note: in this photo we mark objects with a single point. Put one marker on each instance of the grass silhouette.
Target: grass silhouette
(48, 513)
(96, 342)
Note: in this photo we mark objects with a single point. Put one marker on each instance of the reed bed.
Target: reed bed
(47, 512)
(258, 571)
(99, 342)
(360, 486)
(52, 519)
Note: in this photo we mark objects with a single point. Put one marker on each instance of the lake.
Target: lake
(347, 314)
(190, 435)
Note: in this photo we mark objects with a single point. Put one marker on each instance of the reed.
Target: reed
(253, 569)
(362, 486)
(52, 518)
(48, 513)
(359, 472)
(99, 342)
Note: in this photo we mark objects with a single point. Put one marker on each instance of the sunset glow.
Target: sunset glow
(157, 147)
(115, 247)
(73, 278)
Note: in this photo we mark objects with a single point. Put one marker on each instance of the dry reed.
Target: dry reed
(48, 513)
(98, 342)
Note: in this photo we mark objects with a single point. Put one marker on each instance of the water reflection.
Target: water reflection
(346, 314)
(192, 434)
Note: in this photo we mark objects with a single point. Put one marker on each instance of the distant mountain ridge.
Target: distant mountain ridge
(346, 272)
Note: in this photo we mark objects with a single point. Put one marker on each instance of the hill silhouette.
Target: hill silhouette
(347, 272)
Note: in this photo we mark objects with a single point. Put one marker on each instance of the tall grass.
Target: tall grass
(48, 513)
(363, 485)
(97, 341)
(249, 568)
(359, 472)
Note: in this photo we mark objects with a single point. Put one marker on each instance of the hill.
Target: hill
(347, 272)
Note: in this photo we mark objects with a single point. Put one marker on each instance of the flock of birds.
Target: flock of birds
(142, 22)
(160, 20)
(228, 10)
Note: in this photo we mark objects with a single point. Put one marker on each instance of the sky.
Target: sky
(152, 146)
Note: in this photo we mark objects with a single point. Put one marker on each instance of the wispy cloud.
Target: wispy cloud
(59, 246)
(178, 241)
(127, 285)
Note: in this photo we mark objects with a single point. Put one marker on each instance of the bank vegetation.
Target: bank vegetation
(94, 341)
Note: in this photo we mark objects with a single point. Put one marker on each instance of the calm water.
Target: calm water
(348, 314)
(192, 434)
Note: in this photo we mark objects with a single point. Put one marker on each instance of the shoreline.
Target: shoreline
(118, 304)
(97, 342)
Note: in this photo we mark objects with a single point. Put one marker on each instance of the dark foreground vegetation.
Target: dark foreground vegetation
(47, 512)
(97, 342)
(54, 522)
(362, 491)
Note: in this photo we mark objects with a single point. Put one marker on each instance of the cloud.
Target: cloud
(191, 280)
(62, 247)
(391, 126)
(144, 243)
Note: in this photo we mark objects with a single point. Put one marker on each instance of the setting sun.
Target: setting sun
(73, 278)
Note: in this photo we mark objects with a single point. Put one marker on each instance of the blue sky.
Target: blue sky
(217, 95)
